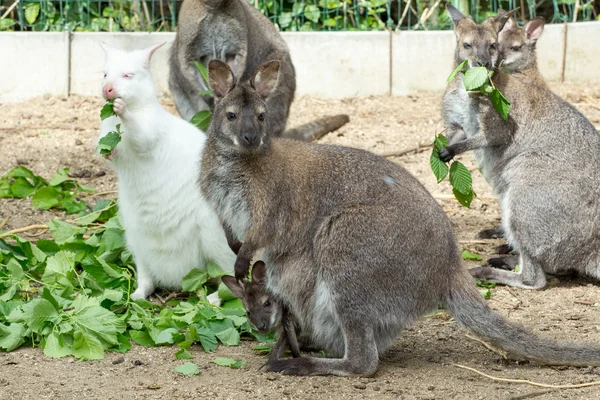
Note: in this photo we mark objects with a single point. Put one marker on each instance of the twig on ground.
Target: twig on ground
(591, 103)
(172, 296)
(476, 241)
(4, 221)
(100, 193)
(489, 347)
(585, 303)
(24, 229)
(531, 394)
(420, 147)
(527, 381)
(451, 197)
(406, 7)
(12, 7)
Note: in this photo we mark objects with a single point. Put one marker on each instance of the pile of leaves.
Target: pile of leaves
(70, 294)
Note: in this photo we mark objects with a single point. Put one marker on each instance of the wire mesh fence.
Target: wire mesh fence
(288, 15)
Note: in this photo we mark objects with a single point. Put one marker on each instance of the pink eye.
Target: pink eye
(128, 76)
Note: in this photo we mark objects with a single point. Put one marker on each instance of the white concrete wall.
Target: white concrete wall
(328, 64)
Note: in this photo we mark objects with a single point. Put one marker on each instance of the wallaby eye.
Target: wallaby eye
(466, 45)
(494, 46)
(261, 117)
(515, 48)
(230, 116)
(128, 76)
(267, 304)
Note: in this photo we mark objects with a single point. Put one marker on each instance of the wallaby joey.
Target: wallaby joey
(169, 227)
(543, 164)
(354, 245)
(264, 311)
(237, 33)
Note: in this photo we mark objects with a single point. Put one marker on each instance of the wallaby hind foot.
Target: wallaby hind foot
(316, 129)
(530, 275)
(493, 233)
(506, 263)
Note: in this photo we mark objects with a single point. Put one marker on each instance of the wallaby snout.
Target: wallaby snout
(250, 138)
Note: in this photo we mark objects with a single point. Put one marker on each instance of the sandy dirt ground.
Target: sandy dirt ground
(47, 133)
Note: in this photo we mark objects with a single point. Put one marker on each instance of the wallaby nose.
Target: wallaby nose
(250, 137)
(109, 91)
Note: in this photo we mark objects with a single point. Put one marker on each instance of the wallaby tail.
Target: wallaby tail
(316, 129)
(468, 307)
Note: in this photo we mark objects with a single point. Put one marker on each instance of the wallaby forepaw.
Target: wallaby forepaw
(138, 294)
(492, 233)
(507, 263)
(119, 107)
(480, 272)
(446, 155)
(266, 367)
(241, 268)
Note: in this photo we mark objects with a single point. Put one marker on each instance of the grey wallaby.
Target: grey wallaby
(235, 32)
(264, 311)
(543, 164)
(354, 245)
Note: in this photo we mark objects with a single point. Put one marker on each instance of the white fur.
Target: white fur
(169, 227)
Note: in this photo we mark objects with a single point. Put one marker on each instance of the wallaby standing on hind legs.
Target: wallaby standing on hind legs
(546, 176)
(237, 33)
(169, 227)
(354, 246)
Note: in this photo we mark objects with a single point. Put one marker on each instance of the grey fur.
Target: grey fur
(355, 246)
(235, 32)
(543, 164)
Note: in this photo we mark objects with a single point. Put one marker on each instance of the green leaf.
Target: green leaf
(460, 178)
(456, 71)
(475, 77)
(32, 10)
(486, 293)
(55, 346)
(229, 362)
(113, 239)
(166, 336)
(108, 142)
(440, 142)
(202, 120)
(183, 354)
(285, 19)
(142, 338)
(439, 168)
(21, 188)
(203, 71)
(188, 369)
(46, 198)
(87, 347)
(60, 268)
(224, 292)
(15, 269)
(194, 280)
(205, 93)
(12, 336)
(207, 338)
(312, 13)
(463, 199)
(107, 111)
(38, 313)
(263, 349)
(467, 255)
(500, 103)
(214, 271)
(63, 232)
(229, 337)
(484, 283)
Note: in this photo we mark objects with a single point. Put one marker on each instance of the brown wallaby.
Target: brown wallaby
(354, 245)
(265, 313)
(543, 164)
(236, 32)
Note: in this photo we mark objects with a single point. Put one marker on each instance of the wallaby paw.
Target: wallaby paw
(507, 263)
(214, 299)
(446, 155)
(119, 107)
(492, 233)
(266, 367)
(241, 268)
(480, 272)
(293, 366)
(503, 249)
(138, 294)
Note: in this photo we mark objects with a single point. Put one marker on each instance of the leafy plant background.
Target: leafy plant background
(287, 15)
(69, 294)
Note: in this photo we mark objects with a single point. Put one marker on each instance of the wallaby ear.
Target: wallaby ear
(534, 29)
(220, 78)
(503, 18)
(237, 289)
(501, 12)
(258, 272)
(455, 14)
(510, 23)
(266, 78)
(149, 51)
(108, 48)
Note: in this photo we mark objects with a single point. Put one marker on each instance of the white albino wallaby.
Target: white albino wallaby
(169, 227)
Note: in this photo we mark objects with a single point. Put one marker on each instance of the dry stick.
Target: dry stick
(451, 197)
(24, 229)
(162, 14)
(489, 347)
(487, 241)
(527, 381)
(531, 394)
(100, 193)
(403, 15)
(591, 103)
(427, 14)
(419, 148)
(12, 7)
(564, 54)
(585, 303)
(4, 221)
(576, 10)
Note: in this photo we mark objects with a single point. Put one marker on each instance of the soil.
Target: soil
(48, 133)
